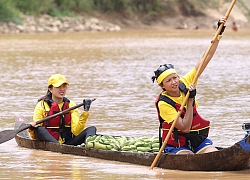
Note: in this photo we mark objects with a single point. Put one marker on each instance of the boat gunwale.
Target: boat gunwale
(211, 161)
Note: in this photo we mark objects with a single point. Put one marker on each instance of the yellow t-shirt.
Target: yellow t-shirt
(167, 111)
(77, 124)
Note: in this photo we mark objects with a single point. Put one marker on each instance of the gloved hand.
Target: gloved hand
(87, 103)
(192, 93)
(223, 28)
(33, 126)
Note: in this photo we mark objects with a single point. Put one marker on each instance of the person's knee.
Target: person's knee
(92, 129)
(43, 135)
(40, 131)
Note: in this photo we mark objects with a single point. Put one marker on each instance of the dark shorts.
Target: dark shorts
(175, 150)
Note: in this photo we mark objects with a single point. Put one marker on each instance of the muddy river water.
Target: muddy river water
(116, 68)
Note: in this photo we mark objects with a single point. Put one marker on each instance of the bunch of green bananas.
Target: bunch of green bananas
(122, 143)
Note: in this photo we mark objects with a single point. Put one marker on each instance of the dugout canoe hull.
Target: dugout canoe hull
(234, 158)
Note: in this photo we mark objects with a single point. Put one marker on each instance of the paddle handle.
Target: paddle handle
(169, 133)
(201, 68)
(61, 113)
(198, 73)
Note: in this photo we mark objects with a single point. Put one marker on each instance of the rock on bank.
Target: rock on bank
(47, 23)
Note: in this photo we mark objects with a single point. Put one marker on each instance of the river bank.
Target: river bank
(117, 21)
(46, 24)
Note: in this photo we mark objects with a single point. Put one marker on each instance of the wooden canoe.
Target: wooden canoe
(236, 157)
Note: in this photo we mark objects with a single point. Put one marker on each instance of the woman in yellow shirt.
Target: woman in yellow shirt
(66, 129)
(191, 130)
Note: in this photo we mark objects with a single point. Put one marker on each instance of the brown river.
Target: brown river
(116, 68)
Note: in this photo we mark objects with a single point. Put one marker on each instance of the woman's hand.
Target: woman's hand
(87, 103)
(33, 125)
(222, 20)
(192, 90)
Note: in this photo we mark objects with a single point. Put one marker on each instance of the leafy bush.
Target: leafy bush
(8, 12)
(33, 7)
(11, 9)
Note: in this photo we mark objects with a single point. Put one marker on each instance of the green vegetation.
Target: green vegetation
(10, 10)
(8, 13)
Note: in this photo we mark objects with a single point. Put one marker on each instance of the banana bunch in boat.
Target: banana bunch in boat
(122, 143)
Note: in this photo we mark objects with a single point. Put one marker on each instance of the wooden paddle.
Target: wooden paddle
(198, 73)
(7, 135)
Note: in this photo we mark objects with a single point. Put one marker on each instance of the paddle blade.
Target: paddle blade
(7, 135)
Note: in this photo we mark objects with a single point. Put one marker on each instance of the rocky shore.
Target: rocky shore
(46, 24)
(116, 22)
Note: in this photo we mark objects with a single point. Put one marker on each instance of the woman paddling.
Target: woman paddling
(191, 130)
(66, 129)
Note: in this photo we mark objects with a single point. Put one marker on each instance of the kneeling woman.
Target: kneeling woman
(66, 129)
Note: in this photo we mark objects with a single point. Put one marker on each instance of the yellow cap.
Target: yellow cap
(165, 74)
(57, 80)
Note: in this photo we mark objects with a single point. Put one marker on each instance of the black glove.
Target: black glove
(192, 93)
(223, 28)
(87, 103)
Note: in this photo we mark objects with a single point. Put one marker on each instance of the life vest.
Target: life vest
(199, 128)
(59, 125)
